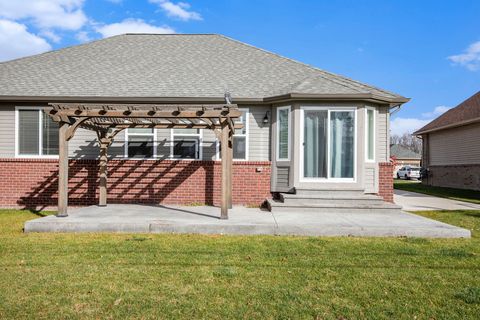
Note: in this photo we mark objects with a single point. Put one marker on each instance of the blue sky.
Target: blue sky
(428, 51)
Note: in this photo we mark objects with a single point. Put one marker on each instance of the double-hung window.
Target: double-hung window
(186, 144)
(370, 134)
(283, 133)
(240, 138)
(140, 143)
(36, 133)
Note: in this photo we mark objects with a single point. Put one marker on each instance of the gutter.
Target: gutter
(267, 100)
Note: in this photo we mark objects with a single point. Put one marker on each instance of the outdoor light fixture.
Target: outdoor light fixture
(265, 119)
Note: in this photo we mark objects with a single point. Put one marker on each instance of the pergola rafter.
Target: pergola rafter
(107, 120)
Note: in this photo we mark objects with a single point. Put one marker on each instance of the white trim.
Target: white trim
(40, 135)
(198, 144)
(367, 108)
(289, 133)
(328, 179)
(246, 135)
(125, 148)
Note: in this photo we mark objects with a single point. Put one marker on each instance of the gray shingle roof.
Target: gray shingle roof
(144, 65)
(400, 152)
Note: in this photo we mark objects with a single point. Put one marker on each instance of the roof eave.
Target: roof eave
(449, 126)
(358, 96)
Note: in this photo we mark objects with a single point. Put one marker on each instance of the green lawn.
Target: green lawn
(68, 276)
(450, 193)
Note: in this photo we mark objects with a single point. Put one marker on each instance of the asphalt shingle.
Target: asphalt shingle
(144, 65)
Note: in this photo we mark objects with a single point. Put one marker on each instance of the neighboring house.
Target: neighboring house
(403, 156)
(451, 147)
(305, 129)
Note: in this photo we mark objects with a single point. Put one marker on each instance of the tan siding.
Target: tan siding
(455, 146)
(283, 177)
(83, 145)
(382, 143)
(370, 174)
(259, 134)
(7, 131)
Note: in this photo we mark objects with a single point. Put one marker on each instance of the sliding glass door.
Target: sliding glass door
(328, 143)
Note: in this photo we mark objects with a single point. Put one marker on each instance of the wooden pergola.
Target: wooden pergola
(107, 120)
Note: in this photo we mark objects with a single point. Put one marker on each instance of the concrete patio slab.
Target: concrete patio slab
(242, 221)
(412, 201)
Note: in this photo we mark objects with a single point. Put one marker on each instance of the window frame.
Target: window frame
(289, 132)
(368, 108)
(246, 135)
(329, 179)
(40, 154)
(199, 144)
(153, 134)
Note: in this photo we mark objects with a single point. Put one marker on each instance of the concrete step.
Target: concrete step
(352, 207)
(330, 192)
(330, 199)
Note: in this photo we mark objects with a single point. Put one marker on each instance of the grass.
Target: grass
(471, 196)
(126, 276)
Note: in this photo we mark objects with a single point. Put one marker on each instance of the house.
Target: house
(298, 130)
(451, 147)
(403, 156)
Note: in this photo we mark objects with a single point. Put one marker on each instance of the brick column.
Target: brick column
(385, 181)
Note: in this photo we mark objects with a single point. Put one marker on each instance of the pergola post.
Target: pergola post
(62, 170)
(226, 156)
(103, 174)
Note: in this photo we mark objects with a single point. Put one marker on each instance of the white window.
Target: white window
(186, 144)
(283, 133)
(240, 138)
(36, 134)
(140, 143)
(370, 134)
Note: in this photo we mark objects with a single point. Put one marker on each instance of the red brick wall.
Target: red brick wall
(385, 183)
(32, 183)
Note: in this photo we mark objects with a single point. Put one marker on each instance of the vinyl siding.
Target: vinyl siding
(283, 177)
(383, 136)
(455, 146)
(7, 131)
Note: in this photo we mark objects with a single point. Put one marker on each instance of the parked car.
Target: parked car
(408, 172)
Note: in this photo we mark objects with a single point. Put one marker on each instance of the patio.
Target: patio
(242, 221)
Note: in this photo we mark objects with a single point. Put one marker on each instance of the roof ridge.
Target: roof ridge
(314, 68)
(63, 48)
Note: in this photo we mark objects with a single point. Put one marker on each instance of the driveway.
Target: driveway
(412, 201)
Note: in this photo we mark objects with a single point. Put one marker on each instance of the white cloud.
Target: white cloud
(131, 26)
(46, 14)
(400, 126)
(51, 35)
(436, 112)
(17, 42)
(470, 59)
(178, 10)
(83, 36)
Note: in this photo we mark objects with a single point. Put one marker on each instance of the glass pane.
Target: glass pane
(185, 148)
(342, 131)
(49, 136)
(283, 134)
(243, 120)
(186, 131)
(140, 130)
(140, 147)
(239, 148)
(370, 134)
(28, 126)
(315, 144)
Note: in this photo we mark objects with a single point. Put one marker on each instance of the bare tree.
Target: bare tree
(408, 141)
